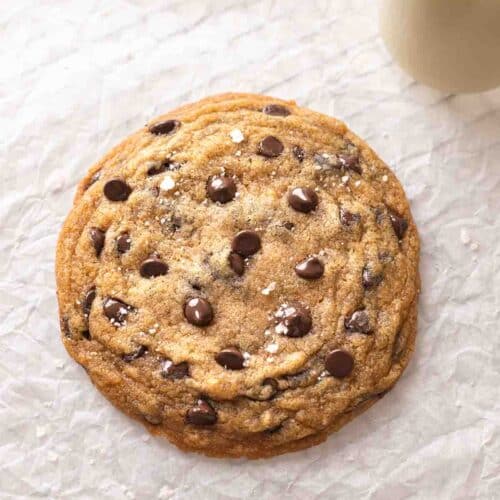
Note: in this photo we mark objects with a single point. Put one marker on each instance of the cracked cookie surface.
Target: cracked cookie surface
(241, 275)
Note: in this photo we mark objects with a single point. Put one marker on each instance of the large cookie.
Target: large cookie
(241, 275)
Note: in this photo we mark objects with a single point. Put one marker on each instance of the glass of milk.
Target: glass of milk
(451, 45)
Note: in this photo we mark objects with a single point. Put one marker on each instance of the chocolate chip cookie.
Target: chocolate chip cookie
(240, 275)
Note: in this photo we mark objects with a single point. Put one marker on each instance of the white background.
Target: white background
(77, 77)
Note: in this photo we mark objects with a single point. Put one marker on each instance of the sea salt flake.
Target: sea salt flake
(385, 178)
(272, 348)
(237, 135)
(270, 288)
(345, 178)
(167, 184)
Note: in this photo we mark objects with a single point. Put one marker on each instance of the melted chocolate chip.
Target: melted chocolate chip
(398, 346)
(174, 372)
(123, 243)
(370, 279)
(339, 363)
(97, 236)
(310, 269)
(358, 321)
(274, 429)
(166, 166)
(399, 224)
(198, 311)
(176, 223)
(264, 392)
(221, 188)
(165, 128)
(87, 300)
(237, 263)
(303, 199)
(116, 310)
(299, 153)
(293, 320)
(86, 335)
(117, 190)
(270, 147)
(201, 414)
(230, 358)
(195, 285)
(326, 161)
(138, 353)
(350, 162)
(64, 324)
(153, 267)
(246, 243)
(276, 110)
(289, 225)
(348, 219)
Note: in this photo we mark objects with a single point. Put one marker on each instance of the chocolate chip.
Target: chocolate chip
(117, 190)
(303, 199)
(399, 224)
(370, 279)
(237, 263)
(289, 225)
(293, 320)
(275, 110)
(358, 321)
(116, 311)
(230, 358)
(379, 216)
(165, 128)
(123, 243)
(87, 300)
(153, 267)
(201, 414)
(86, 335)
(198, 311)
(138, 353)
(310, 269)
(174, 372)
(246, 243)
(166, 166)
(339, 363)
(270, 147)
(350, 162)
(299, 153)
(348, 219)
(221, 188)
(97, 237)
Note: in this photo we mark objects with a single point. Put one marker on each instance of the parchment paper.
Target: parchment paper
(77, 77)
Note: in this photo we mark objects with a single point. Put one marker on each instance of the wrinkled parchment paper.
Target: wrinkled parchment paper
(77, 77)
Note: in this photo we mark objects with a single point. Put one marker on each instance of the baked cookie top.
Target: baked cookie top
(241, 275)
